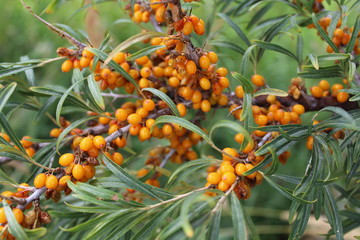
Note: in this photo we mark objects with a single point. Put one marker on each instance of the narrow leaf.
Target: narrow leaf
(14, 227)
(165, 98)
(246, 83)
(6, 93)
(271, 91)
(236, 28)
(95, 91)
(144, 52)
(237, 217)
(275, 47)
(323, 33)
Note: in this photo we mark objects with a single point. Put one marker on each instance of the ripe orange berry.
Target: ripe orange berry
(40, 180)
(298, 108)
(205, 105)
(120, 58)
(5, 136)
(121, 114)
(226, 167)
(230, 151)
(213, 57)
(258, 80)
(188, 28)
(182, 109)
(213, 178)
(149, 105)
(261, 120)
(228, 177)
(55, 132)
(249, 147)
(224, 82)
(325, 85)
(25, 142)
(144, 133)
(30, 151)
(239, 91)
(66, 159)
(99, 142)
(205, 83)
(145, 72)
(134, 119)
(316, 91)
(18, 214)
(199, 28)
(3, 219)
(117, 158)
(204, 62)
(167, 130)
(89, 171)
(86, 144)
(51, 182)
(239, 138)
(335, 88)
(67, 66)
(342, 97)
(223, 186)
(190, 67)
(222, 72)
(310, 142)
(78, 171)
(8, 194)
(240, 169)
(63, 179)
(248, 167)
(173, 82)
(142, 60)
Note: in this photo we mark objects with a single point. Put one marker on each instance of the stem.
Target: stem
(167, 157)
(223, 198)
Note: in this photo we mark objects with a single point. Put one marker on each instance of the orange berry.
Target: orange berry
(144, 133)
(51, 182)
(66, 159)
(239, 138)
(240, 169)
(120, 58)
(230, 151)
(204, 62)
(222, 72)
(142, 60)
(188, 28)
(261, 120)
(335, 88)
(160, 14)
(99, 142)
(87, 54)
(18, 214)
(167, 130)
(55, 132)
(248, 167)
(145, 72)
(316, 91)
(224, 82)
(226, 167)
(342, 97)
(5, 136)
(239, 91)
(120, 142)
(135, 129)
(63, 179)
(190, 67)
(149, 105)
(40, 180)
(213, 178)
(8, 194)
(310, 142)
(86, 144)
(205, 105)
(249, 147)
(228, 177)
(121, 114)
(205, 83)
(30, 151)
(199, 28)
(25, 142)
(67, 66)
(223, 186)
(134, 119)
(298, 108)
(258, 80)
(213, 57)
(3, 219)
(324, 85)
(78, 171)
(182, 109)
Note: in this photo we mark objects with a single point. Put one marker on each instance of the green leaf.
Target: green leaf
(237, 217)
(4, 123)
(95, 91)
(286, 192)
(314, 60)
(4, 177)
(144, 52)
(276, 48)
(351, 71)
(214, 227)
(299, 48)
(332, 212)
(44, 108)
(323, 72)
(323, 33)
(188, 125)
(132, 40)
(333, 57)
(129, 180)
(73, 125)
(226, 44)
(147, 230)
(231, 125)
(35, 233)
(14, 227)
(165, 98)
(275, 163)
(258, 15)
(6, 93)
(354, 35)
(246, 83)
(188, 168)
(62, 100)
(73, 100)
(235, 27)
(246, 59)
(104, 57)
(250, 224)
(29, 73)
(271, 91)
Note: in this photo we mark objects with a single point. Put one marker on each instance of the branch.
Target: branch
(56, 30)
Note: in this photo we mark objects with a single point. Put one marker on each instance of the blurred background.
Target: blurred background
(22, 34)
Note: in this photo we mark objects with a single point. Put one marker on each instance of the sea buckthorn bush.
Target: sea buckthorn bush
(186, 126)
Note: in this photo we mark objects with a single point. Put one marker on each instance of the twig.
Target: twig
(167, 157)
(31, 198)
(117, 134)
(264, 139)
(155, 24)
(56, 30)
(178, 197)
(116, 96)
(223, 198)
